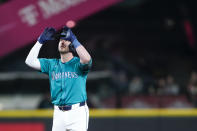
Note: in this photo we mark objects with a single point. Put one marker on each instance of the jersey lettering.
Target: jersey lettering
(60, 75)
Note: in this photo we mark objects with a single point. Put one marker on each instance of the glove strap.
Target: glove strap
(76, 43)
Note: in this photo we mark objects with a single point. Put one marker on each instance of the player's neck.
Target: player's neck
(66, 57)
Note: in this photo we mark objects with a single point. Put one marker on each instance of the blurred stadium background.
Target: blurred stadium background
(144, 75)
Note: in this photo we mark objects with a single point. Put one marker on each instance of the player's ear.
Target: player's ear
(72, 49)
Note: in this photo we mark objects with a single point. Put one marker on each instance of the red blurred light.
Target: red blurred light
(70, 23)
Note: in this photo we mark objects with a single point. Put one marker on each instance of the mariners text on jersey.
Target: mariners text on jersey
(61, 75)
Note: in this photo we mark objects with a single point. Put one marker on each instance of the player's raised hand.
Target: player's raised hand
(67, 34)
(47, 34)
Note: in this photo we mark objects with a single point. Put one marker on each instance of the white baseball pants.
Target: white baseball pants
(73, 120)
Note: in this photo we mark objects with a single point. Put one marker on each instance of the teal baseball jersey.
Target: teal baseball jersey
(67, 80)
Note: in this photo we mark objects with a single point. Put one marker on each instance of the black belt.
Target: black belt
(69, 107)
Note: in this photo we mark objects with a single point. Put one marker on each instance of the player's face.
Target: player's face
(63, 46)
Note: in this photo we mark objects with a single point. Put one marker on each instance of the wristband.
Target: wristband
(76, 43)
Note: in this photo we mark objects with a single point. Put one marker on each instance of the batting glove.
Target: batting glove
(67, 34)
(47, 34)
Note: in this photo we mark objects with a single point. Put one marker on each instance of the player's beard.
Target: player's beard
(64, 50)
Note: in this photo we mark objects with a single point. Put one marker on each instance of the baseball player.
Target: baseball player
(67, 77)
